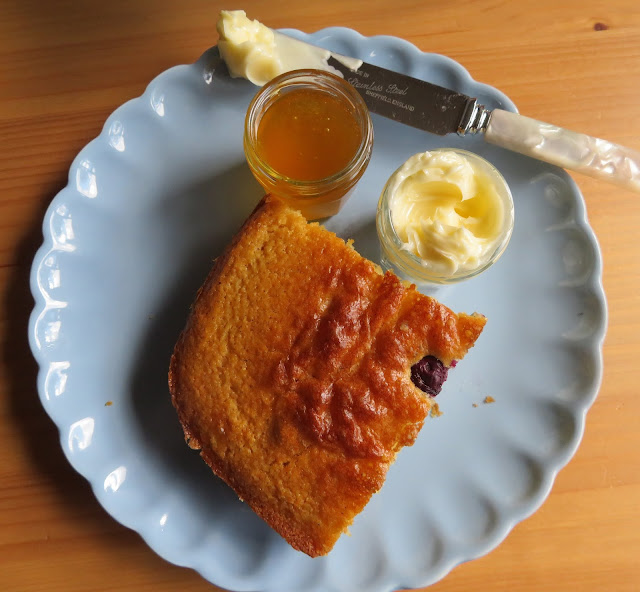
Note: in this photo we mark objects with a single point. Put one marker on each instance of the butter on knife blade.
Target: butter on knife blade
(253, 51)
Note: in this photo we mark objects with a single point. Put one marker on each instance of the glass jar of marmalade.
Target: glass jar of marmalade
(308, 139)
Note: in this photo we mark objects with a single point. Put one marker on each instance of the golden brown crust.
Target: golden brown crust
(292, 375)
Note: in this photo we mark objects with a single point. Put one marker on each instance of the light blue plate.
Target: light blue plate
(155, 198)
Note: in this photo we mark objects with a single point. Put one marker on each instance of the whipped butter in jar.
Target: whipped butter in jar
(444, 216)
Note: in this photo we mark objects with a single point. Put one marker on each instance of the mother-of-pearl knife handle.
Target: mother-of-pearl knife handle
(570, 150)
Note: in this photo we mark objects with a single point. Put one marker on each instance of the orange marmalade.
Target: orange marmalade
(308, 140)
(308, 134)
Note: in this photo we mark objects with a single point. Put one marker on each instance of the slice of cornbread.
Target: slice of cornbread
(293, 373)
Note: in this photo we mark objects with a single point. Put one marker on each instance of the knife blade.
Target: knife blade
(442, 111)
(411, 101)
(405, 99)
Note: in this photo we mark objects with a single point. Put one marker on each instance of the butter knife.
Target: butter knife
(443, 111)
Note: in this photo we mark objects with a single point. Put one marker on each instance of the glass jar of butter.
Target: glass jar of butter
(444, 216)
(308, 139)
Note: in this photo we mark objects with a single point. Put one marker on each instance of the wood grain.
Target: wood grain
(64, 66)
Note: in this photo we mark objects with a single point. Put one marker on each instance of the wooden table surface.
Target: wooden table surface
(65, 65)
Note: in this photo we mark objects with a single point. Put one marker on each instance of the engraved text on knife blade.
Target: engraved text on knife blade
(406, 99)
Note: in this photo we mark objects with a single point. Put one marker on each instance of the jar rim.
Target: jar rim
(324, 81)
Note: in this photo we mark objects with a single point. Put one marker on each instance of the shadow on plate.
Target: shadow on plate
(226, 200)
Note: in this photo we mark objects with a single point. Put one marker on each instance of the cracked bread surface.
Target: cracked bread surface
(292, 374)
